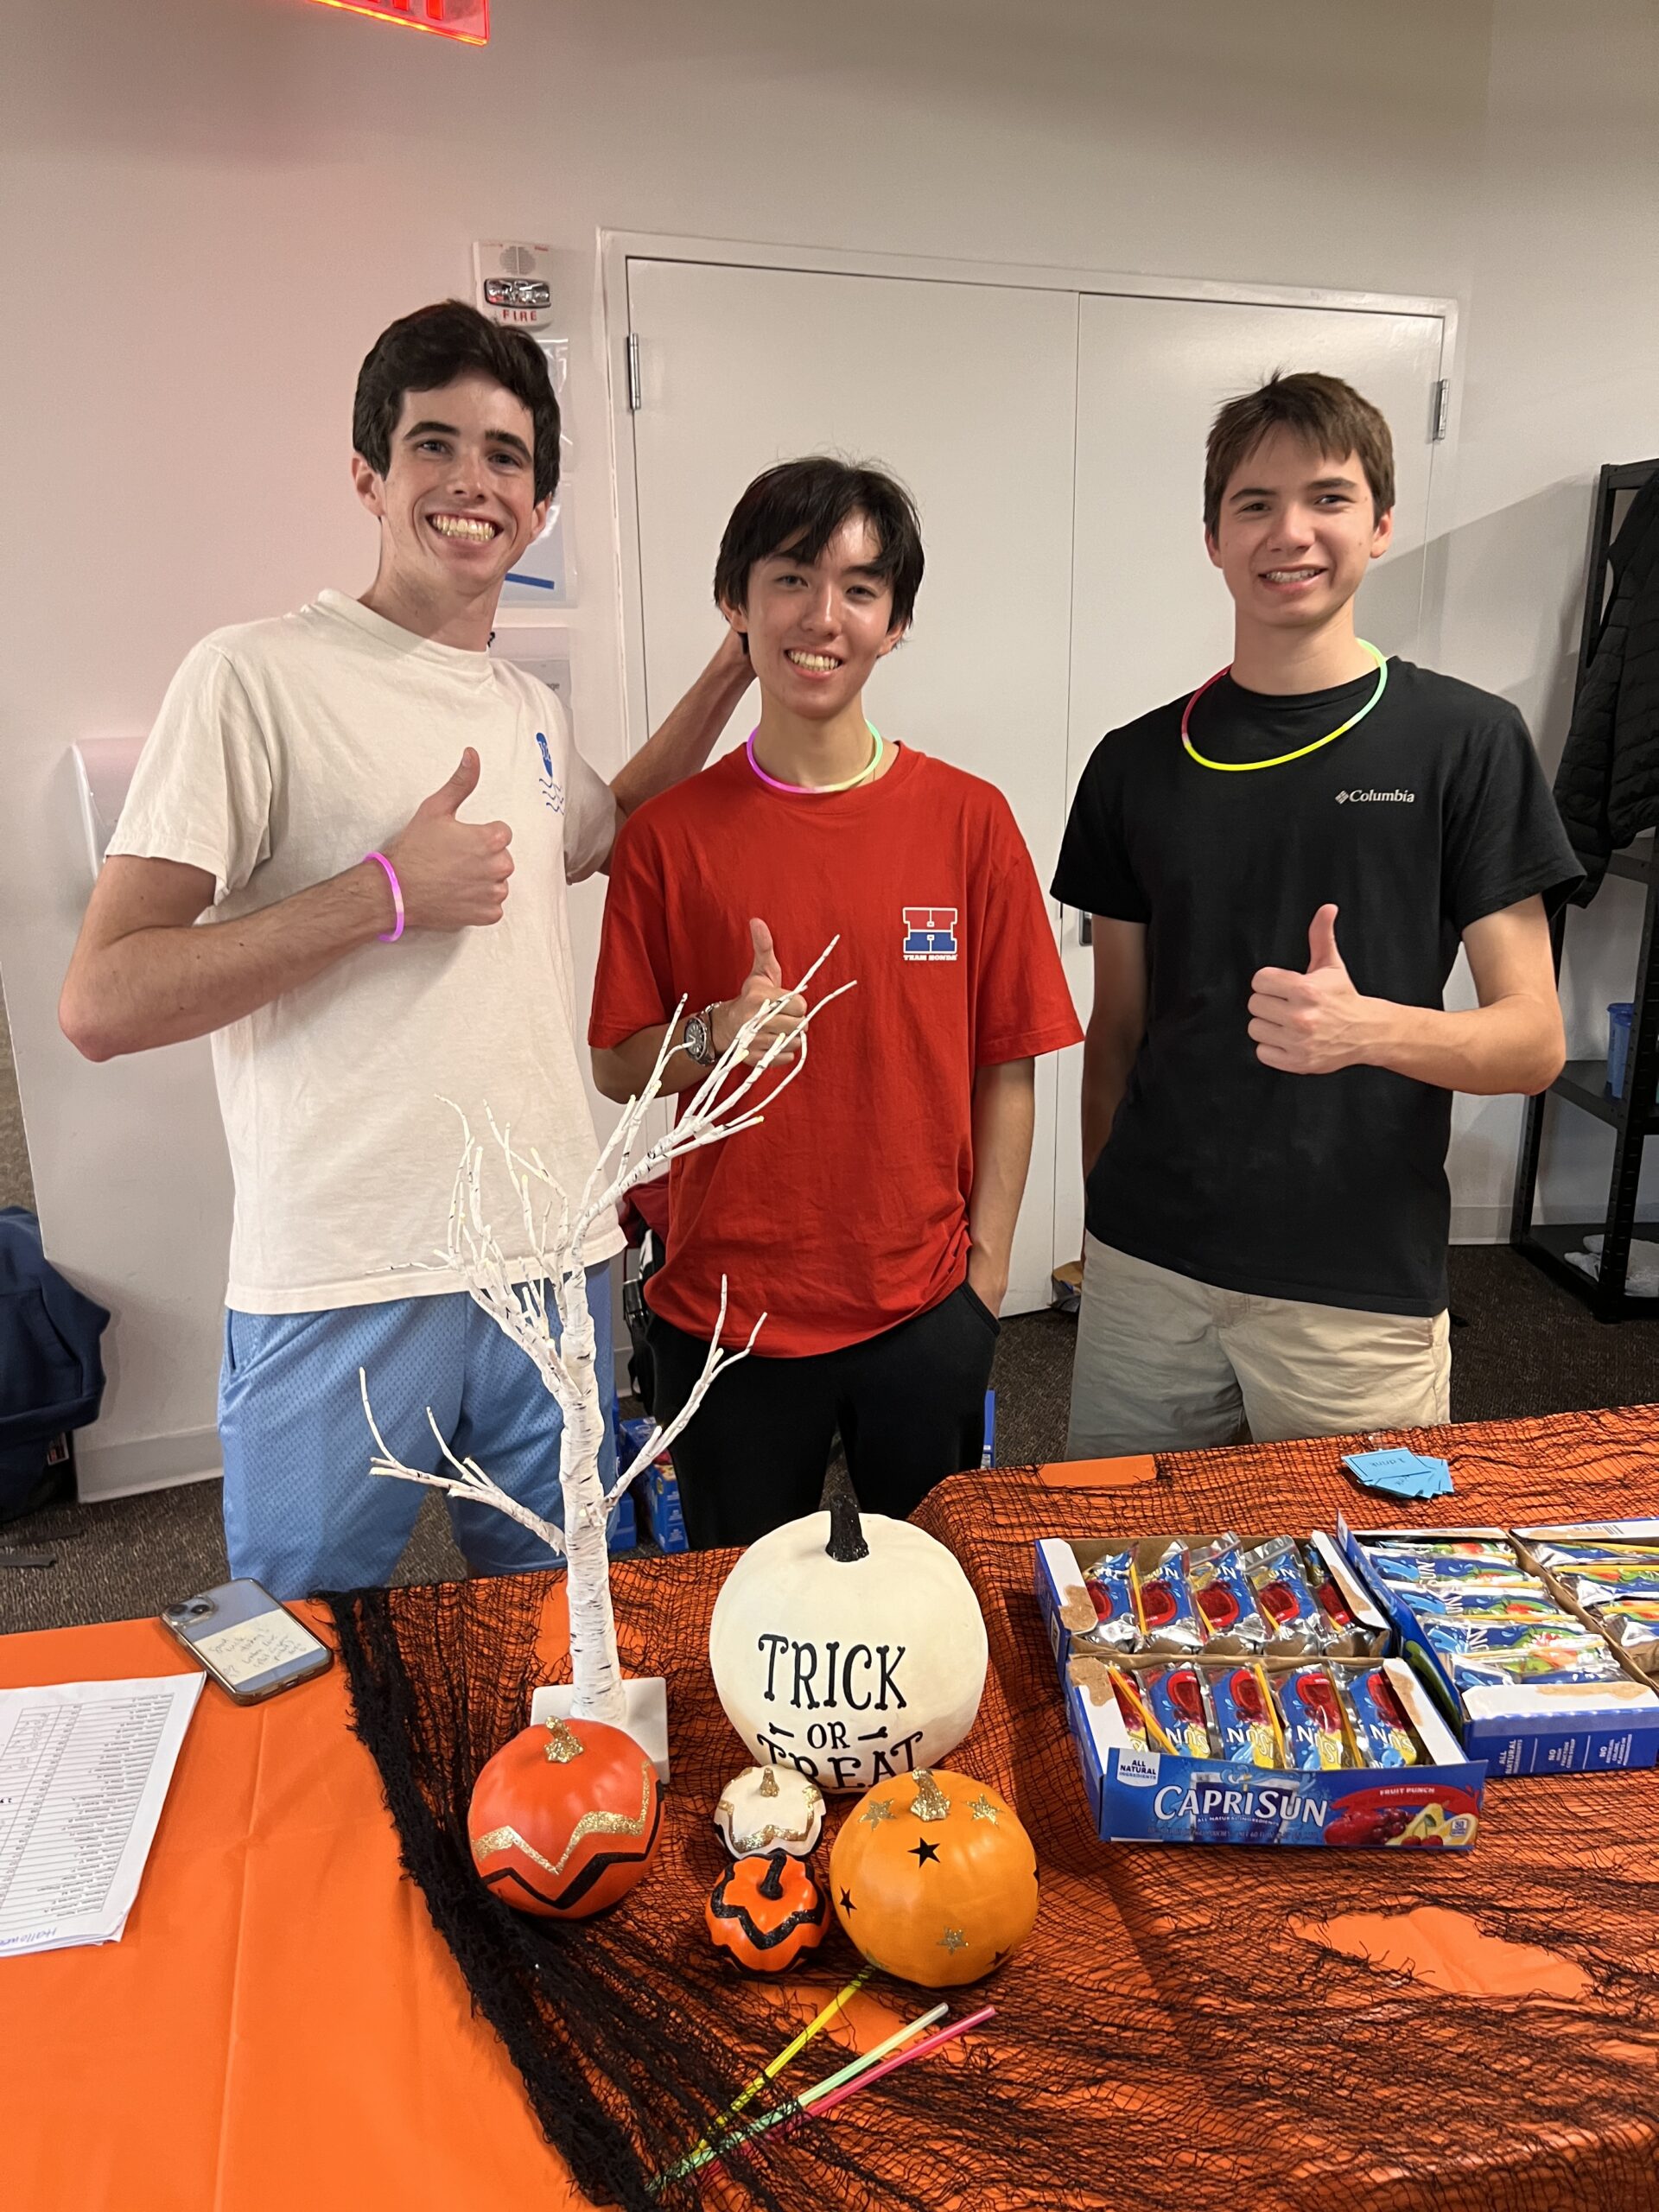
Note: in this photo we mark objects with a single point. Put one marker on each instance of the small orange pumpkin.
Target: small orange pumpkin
(934, 1878)
(766, 1912)
(564, 1820)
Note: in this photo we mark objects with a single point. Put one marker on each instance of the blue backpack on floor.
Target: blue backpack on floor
(51, 1374)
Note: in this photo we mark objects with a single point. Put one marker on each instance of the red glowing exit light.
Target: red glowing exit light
(466, 20)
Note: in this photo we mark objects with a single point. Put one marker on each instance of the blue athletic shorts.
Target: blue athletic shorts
(302, 1510)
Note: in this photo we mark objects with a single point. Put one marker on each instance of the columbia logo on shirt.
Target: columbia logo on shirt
(1377, 799)
(930, 932)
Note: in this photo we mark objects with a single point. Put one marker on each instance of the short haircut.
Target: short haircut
(430, 348)
(797, 508)
(1323, 412)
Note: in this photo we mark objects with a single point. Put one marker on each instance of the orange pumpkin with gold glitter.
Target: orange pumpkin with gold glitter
(565, 1819)
(766, 1910)
(934, 1878)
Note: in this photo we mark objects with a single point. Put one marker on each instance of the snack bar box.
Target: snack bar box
(1068, 1610)
(1150, 1796)
(1530, 1727)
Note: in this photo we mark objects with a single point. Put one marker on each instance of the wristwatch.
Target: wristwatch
(698, 1038)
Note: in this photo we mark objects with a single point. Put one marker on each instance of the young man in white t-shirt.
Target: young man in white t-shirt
(372, 953)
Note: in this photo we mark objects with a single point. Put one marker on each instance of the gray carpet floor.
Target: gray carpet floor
(1521, 1346)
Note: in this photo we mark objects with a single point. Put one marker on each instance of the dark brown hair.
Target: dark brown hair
(1323, 412)
(797, 508)
(430, 348)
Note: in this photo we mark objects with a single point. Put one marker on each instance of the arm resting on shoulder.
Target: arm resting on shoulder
(1004, 1115)
(690, 733)
(1117, 1022)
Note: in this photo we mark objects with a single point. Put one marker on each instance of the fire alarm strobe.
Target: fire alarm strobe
(514, 283)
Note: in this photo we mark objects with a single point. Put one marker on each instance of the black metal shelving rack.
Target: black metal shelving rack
(1583, 1084)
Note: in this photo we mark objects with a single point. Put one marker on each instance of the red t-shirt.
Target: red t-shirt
(845, 1211)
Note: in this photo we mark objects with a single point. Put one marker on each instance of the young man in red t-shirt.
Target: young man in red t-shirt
(870, 1215)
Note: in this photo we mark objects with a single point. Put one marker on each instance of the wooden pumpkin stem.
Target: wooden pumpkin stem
(931, 1802)
(846, 1542)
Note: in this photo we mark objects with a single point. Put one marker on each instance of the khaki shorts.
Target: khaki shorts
(1165, 1363)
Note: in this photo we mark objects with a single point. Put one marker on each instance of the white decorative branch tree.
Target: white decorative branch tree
(547, 1316)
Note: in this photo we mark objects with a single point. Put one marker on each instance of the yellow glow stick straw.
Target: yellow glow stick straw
(705, 2154)
(789, 2051)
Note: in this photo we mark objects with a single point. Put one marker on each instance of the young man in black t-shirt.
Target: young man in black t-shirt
(1280, 867)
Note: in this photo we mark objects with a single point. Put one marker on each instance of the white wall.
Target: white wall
(214, 205)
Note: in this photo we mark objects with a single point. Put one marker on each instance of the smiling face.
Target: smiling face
(457, 505)
(1296, 532)
(817, 628)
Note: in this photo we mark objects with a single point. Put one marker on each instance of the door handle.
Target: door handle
(1085, 928)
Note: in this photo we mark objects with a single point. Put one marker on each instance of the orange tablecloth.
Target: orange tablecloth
(281, 2016)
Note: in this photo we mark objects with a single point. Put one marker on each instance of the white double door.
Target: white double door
(1054, 440)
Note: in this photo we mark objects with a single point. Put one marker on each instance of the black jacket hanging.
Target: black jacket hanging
(1607, 786)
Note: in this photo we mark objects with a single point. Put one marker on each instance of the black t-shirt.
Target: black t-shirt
(1429, 815)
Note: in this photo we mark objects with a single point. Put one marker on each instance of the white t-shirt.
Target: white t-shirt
(284, 752)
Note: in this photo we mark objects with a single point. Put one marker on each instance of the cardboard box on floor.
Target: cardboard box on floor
(1528, 1727)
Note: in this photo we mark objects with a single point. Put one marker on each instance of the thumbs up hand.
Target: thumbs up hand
(1315, 1023)
(454, 874)
(763, 987)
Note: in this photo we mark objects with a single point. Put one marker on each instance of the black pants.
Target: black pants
(910, 1405)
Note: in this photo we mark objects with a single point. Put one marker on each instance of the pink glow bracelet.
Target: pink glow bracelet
(390, 937)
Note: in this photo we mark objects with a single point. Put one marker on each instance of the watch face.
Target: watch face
(697, 1039)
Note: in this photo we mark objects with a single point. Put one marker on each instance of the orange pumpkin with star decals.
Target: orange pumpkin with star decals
(934, 1878)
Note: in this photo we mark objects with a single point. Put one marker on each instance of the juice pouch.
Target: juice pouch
(1486, 1547)
(1282, 1597)
(1179, 1702)
(1377, 1721)
(1536, 1605)
(1452, 1638)
(1163, 1599)
(1246, 1724)
(1592, 1662)
(1310, 1707)
(1633, 1623)
(1226, 1609)
(1127, 1691)
(1589, 1555)
(1606, 1583)
(1407, 1570)
(1112, 1594)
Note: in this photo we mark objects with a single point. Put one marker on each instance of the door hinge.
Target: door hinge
(635, 402)
(1439, 410)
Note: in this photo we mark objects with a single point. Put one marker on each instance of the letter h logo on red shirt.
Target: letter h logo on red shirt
(930, 932)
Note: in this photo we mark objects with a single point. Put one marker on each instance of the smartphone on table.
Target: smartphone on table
(248, 1641)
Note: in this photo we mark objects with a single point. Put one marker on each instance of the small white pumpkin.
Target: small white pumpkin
(769, 1808)
(852, 1649)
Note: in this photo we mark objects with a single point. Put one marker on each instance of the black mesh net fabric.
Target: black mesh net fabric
(1188, 2026)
